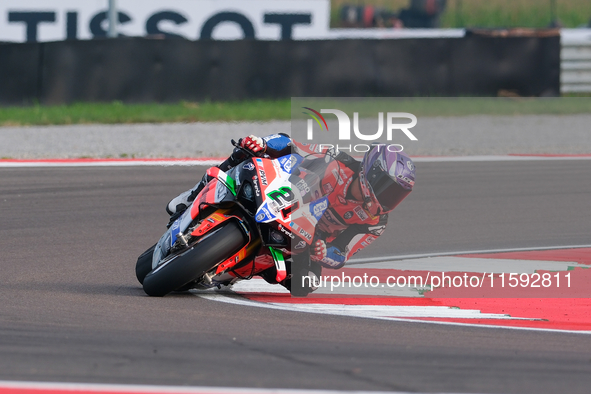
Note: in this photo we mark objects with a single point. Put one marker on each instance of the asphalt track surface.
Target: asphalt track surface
(72, 311)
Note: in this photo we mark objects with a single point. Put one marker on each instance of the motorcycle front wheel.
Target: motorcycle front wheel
(144, 264)
(193, 262)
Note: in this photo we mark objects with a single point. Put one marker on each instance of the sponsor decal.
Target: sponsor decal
(342, 200)
(286, 232)
(348, 215)
(285, 164)
(271, 137)
(318, 207)
(263, 177)
(361, 213)
(302, 185)
(305, 234)
(34, 20)
(288, 163)
(255, 184)
(328, 188)
(410, 165)
(300, 245)
(264, 214)
(248, 166)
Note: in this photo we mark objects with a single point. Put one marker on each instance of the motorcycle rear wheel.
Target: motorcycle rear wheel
(190, 264)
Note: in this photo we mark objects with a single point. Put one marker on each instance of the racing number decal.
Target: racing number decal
(285, 212)
(282, 196)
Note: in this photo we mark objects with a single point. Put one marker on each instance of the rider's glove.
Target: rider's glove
(319, 251)
(327, 256)
(254, 144)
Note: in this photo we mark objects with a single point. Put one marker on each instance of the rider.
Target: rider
(361, 194)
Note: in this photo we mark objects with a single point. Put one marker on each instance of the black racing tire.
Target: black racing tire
(144, 264)
(195, 261)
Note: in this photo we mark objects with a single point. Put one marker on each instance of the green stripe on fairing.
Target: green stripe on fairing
(277, 255)
(228, 181)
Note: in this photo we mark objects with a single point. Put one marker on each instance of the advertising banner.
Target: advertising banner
(40, 20)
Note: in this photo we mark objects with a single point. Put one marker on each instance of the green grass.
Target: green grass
(462, 106)
(281, 110)
(492, 13)
(117, 112)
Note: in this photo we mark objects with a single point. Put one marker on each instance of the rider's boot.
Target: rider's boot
(183, 200)
(180, 203)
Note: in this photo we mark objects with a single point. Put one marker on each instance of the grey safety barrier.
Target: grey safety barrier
(576, 61)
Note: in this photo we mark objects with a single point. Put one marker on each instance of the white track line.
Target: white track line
(439, 254)
(128, 388)
(239, 300)
(107, 163)
(386, 312)
(497, 158)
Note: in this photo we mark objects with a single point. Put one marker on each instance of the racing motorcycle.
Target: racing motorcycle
(257, 218)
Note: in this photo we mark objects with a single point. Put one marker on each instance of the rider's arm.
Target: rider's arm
(277, 145)
(349, 242)
(237, 157)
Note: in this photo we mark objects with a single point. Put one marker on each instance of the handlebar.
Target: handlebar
(237, 146)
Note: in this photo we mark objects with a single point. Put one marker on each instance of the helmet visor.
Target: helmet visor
(388, 192)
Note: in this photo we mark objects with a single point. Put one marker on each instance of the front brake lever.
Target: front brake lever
(237, 145)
